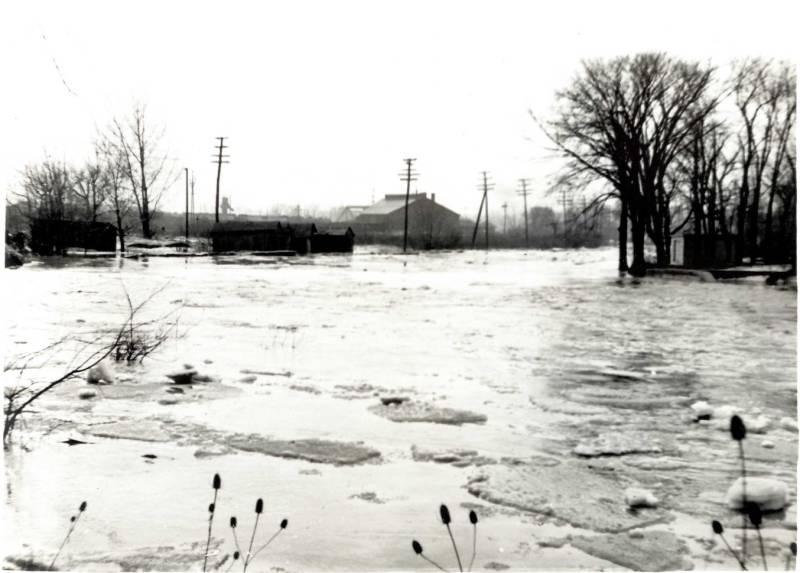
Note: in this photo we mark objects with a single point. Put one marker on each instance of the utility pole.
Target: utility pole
(219, 159)
(505, 215)
(485, 186)
(186, 169)
(408, 177)
(524, 193)
(194, 213)
(478, 220)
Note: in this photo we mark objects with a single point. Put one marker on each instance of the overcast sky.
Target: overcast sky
(321, 101)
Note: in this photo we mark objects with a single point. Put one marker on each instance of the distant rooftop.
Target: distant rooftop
(391, 203)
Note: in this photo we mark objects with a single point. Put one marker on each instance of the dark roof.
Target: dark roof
(389, 204)
(336, 229)
(302, 230)
(246, 226)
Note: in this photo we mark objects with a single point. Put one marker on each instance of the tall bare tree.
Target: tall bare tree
(145, 164)
(119, 195)
(90, 187)
(756, 99)
(782, 166)
(625, 121)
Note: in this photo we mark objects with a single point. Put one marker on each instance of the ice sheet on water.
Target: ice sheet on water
(570, 492)
(414, 411)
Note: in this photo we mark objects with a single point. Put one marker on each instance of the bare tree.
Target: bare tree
(48, 191)
(119, 195)
(90, 187)
(624, 121)
(144, 163)
(782, 175)
(756, 98)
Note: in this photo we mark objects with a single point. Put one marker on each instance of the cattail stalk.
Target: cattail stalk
(249, 556)
(744, 502)
(418, 550)
(473, 519)
(73, 523)
(754, 512)
(739, 433)
(216, 484)
(719, 530)
(445, 515)
(282, 526)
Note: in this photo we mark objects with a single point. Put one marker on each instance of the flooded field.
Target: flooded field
(357, 393)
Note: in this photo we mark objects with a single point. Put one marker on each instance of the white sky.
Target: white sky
(322, 100)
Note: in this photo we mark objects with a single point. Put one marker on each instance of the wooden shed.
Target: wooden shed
(54, 237)
(333, 240)
(301, 236)
(703, 251)
(250, 236)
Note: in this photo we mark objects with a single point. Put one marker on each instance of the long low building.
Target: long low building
(301, 238)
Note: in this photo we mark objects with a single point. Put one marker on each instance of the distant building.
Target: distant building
(348, 213)
(425, 216)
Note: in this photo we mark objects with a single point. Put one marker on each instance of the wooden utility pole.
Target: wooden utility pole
(478, 220)
(505, 215)
(408, 177)
(186, 169)
(524, 193)
(486, 186)
(194, 213)
(219, 159)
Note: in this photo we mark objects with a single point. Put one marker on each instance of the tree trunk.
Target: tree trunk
(741, 212)
(638, 233)
(623, 235)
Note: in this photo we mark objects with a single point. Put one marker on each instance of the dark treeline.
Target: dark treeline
(684, 147)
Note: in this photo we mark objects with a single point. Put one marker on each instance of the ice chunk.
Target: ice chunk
(757, 424)
(769, 494)
(789, 424)
(182, 376)
(636, 497)
(100, 373)
(767, 444)
(702, 410)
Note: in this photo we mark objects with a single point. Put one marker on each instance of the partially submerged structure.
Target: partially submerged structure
(249, 236)
(276, 236)
(54, 237)
(335, 239)
(703, 251)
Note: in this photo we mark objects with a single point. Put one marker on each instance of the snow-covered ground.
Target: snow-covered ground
(356, 393)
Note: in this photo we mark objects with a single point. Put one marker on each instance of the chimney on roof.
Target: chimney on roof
(433, 197)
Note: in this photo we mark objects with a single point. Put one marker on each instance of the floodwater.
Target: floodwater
(504, 368)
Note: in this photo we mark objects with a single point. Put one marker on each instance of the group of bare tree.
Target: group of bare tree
(128, 170)
(682, 149)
